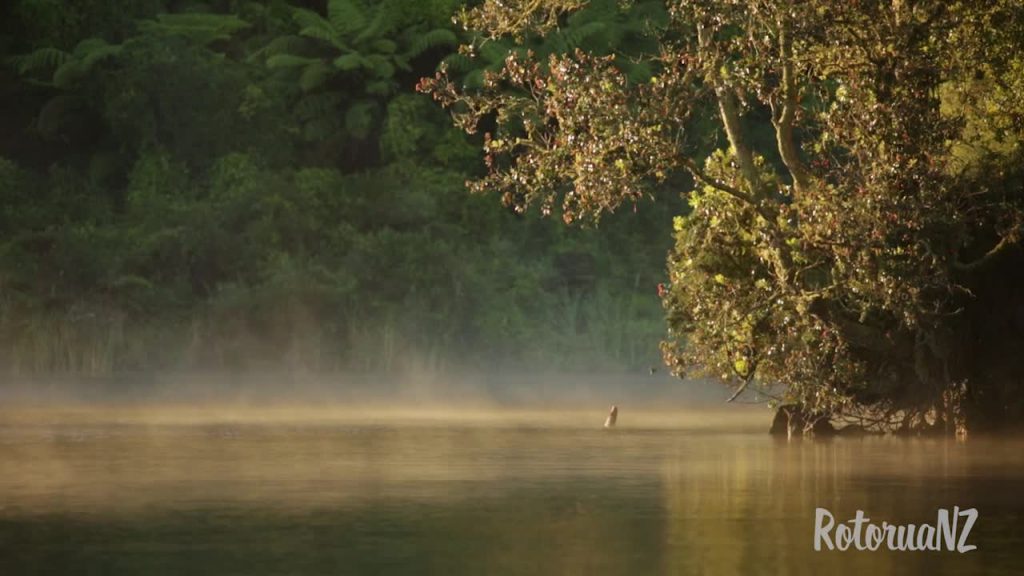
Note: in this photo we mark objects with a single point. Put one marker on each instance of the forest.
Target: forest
(838, 189)
(236, 185)
(855, 186)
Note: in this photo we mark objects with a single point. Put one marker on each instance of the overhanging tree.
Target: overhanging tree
(858, 256)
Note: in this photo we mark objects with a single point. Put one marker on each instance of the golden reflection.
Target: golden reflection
(503, 492)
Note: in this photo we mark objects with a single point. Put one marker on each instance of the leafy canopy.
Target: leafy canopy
(835, 257)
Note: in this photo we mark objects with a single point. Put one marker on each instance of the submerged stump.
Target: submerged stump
(791, 419)
(613, 415)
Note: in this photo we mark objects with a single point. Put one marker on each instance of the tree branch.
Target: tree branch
(731, 118)
(738, 391)
(784, 121)
(1010, 239)
(733, 130)
(715, 183)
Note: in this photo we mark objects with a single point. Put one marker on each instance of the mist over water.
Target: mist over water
(473, 488)
(431, 473)
(409, 389)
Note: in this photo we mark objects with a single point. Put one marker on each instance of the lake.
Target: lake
(314, 491)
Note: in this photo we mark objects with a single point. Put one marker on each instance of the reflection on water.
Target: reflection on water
(308, 493)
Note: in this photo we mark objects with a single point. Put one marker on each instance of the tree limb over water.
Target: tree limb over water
(846, 159)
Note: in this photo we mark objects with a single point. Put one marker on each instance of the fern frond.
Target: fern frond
(382, 23)
(93, 50)
(595, 11)
(384, 46)
(351, 61)
(346, 16)
(283, 45)
(289, 61)
(651, 14)
(316, 26)
(200, 28)
(314, 76)
(494, 51)
(402, 62)
(69, 72)
(431, 39)
(474, 79)
(381, 66)
(558, 42)
(83, 58)
(456, 62)
(636, 72)
(587, 31)
(88, 46)
(42, 59)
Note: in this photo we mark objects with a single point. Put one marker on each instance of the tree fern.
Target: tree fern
(357, 44)
(67, 68)
(317, 27)
(432, 39)
(43, 59)
(385, 18)
(200, 28)
(288, 44)
(346, 16)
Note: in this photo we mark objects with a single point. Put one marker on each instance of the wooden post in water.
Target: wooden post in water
(613, 415)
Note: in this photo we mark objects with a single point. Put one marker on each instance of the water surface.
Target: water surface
(316, 492)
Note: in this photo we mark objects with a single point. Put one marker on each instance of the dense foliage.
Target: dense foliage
(256, 184)
(855, 180)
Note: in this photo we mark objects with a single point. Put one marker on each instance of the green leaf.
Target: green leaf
(289, 61)
(350, 61)
(741, 366)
